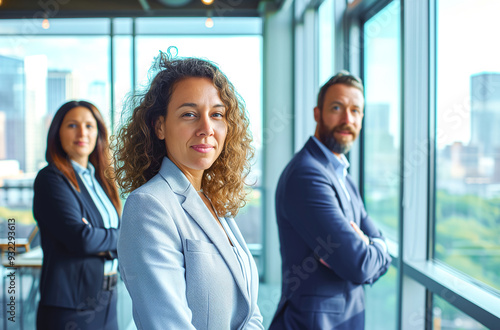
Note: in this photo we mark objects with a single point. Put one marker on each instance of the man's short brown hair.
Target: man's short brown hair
(343, 77)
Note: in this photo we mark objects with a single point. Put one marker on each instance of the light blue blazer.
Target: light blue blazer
(177, 263)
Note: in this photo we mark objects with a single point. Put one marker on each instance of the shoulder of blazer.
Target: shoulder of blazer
(159, 189)
(51, 171)
(309, 159)
(169, 180)
(83, 197)
(315, 151)
(156, 185)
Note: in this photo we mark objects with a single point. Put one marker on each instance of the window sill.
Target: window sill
(483, 304)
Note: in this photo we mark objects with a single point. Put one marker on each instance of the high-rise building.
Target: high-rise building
(35, 68)
(59, 89)
(485, 112)
(12, 101)
(98, 95)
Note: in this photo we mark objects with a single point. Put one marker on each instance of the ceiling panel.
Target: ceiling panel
(131, 8)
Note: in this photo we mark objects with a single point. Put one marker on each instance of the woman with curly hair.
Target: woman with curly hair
(183, 155)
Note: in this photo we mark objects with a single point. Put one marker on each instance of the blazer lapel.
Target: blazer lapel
(195, 207)
(345, 204)
(236, 232)
(90, 205)
(354, 202)
(86, 202)
(318, 154)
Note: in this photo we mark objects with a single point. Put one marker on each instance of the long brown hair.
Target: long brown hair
(139, 152)
(100, 157)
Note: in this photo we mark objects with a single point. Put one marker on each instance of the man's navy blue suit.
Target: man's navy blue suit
(324, 261)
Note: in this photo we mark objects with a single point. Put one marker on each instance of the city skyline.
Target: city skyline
(35, 88)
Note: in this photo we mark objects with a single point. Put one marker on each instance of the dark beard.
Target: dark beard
(328, 139)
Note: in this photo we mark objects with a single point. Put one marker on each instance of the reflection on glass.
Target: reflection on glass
(446, 317)
(381, 176)
(381, 300)
(467, 232)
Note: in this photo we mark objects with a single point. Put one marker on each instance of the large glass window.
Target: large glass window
(122, 74)
(381, 149)
(467, 200)
(381, 137)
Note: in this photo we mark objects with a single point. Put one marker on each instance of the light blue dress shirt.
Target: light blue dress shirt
(102, 202)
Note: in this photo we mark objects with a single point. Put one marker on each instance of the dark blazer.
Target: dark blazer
(324, 261)
(72, 272)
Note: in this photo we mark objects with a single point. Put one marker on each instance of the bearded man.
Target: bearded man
(329, 245)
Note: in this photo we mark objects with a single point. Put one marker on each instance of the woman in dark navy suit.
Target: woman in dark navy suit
(76, 206)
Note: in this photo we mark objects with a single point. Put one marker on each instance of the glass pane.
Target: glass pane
(467, 232)
(381, 300)
(326, 41)
(249, 221)
(446, 317)
(381, 177)
(122, 63)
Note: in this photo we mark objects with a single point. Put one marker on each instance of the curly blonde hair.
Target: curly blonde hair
(139, 153)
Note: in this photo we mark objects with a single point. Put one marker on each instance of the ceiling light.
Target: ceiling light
(174, 3)
(206, 2)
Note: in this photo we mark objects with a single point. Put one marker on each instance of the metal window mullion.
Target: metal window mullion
(112, 75)
(134, 44)
(431, 195)
(413, 310)
(401, 241)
